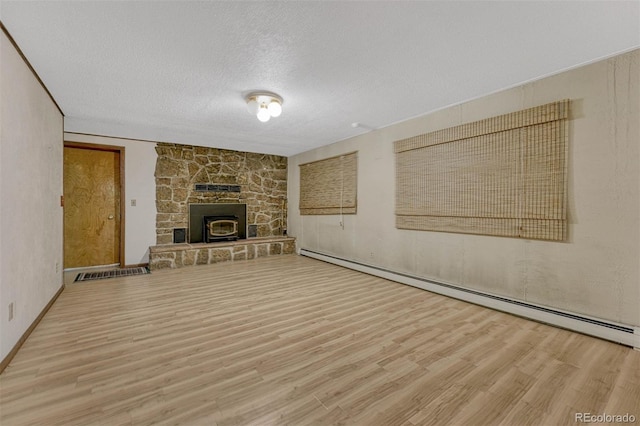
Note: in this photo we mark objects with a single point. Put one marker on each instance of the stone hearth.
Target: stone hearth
(181, 255)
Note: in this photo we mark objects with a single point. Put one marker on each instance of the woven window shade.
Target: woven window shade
(329, 186)
(502, 176)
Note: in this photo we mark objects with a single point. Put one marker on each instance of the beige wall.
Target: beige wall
(30, 190)
(140, 185)
(596, 272)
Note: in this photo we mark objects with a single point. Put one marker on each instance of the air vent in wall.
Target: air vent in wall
(207, 187)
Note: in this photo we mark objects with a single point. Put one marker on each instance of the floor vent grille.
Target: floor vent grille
(114, 273)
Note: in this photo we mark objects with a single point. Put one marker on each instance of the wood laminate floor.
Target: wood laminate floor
(287, 340)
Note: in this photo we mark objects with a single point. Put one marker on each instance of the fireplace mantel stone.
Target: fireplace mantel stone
(180, 255)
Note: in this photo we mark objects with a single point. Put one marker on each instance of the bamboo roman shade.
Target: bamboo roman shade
(329, 186)
(502, 176)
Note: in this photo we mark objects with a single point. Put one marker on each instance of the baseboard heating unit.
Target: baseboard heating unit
(620, 333)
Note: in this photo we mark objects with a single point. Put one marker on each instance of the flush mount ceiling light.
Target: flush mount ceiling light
(264, 105)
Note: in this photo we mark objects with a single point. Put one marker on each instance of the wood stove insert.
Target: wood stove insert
(217, 222)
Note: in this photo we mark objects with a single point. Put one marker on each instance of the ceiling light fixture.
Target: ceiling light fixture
(264, 105)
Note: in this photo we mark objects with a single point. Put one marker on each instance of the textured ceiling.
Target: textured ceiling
(177, 71)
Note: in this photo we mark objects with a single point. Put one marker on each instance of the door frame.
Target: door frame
(120, 151)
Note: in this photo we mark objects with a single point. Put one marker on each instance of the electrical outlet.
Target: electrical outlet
(57, 267)
(133, 202)
(12, 311)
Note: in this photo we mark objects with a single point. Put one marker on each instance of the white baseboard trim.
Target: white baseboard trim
(608, 330)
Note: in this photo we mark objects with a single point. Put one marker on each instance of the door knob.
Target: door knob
(110, 217)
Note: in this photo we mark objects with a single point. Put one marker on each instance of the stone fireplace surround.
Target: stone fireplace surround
(262, 179)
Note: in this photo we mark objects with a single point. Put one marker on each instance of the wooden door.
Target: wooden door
(91, 207)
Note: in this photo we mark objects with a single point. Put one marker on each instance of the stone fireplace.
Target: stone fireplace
(219, 206)
(188, 177)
